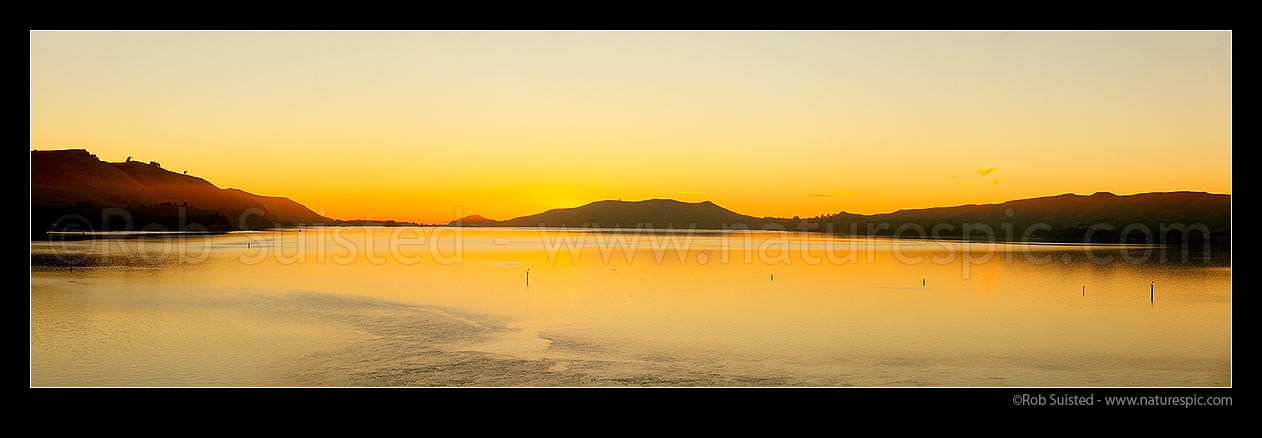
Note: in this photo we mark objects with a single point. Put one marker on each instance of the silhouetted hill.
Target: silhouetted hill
(474, 220)
(1065, 217)
(75, 182)
(654, 213)
(69, 176)
(177, 188)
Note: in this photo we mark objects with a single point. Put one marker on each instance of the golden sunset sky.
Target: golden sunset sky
(426, 126)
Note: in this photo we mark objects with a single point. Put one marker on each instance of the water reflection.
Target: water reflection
(443, 306)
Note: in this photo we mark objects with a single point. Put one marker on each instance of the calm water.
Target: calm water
(441, 306)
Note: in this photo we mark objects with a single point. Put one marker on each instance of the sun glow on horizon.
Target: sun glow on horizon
(431, 126)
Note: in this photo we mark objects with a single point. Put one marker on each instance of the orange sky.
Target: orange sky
(427, 126)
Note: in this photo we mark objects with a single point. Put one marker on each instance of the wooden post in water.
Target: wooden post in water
(1151, 290)
(922, 282)
(527, 277)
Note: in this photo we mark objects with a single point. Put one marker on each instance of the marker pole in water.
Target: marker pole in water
(1151, 291)
(527, 276)
(922, 282)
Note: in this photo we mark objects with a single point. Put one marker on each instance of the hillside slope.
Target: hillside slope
(77, 182)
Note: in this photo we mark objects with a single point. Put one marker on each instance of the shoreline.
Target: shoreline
(1215, 245)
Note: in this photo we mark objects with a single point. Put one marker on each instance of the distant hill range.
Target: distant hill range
(69, 183)
(1067, 217)
(72, 189)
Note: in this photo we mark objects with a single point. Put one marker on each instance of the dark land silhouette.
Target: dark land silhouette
(72, 190)
(653, 213)
(1061, 218)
